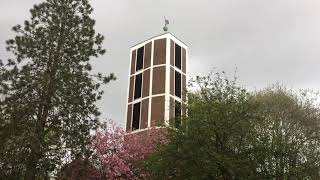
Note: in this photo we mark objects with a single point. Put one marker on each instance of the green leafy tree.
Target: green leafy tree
(232, 134)
(212, 141)
(48, 93)
(287, 136)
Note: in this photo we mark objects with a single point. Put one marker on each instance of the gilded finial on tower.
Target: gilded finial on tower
(166, 22)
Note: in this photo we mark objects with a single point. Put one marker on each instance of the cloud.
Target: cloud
(268, 41)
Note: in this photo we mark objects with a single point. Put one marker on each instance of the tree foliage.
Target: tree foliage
(231, 133)
(48, 93)
(120, 155)
(79, 169)
(287, 139)
(212, 141)
(117, 155)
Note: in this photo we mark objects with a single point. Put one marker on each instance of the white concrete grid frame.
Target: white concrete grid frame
(168, 37)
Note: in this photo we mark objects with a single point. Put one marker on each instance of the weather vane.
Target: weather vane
(166, 22)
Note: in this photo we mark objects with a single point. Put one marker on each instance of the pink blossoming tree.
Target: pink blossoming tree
(120, 153)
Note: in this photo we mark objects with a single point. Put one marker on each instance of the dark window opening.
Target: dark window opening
(138, 86)
(177, 114)
(177, 59)
(139, 64)
(136, 116)
(177, 84)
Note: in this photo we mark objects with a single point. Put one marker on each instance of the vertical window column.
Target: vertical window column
(177, 84)
(136, 116)
(138, 86)
(140, 54)
(177, 58)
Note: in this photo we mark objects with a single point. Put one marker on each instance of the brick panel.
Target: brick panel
(159, 55)
(133, 61)
(147, 55)
(129, 117)
(131, 83)
(144, 114)
(159, 78)
(171, 108)
(157, 111)
(184, 56)
(146, 83)
(171, 81)
(171, 53)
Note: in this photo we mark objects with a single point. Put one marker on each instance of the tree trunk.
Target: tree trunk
(31, 169)
(48, 94)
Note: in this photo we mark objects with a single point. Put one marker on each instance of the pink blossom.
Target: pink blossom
(120, 152)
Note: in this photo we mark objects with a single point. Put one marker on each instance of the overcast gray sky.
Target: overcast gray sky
(267, 40)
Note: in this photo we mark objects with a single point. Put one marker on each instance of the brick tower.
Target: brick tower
(157, 82)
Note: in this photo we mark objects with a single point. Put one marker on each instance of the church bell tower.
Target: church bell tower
(157, 82)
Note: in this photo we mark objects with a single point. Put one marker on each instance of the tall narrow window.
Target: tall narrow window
(138, 86)
(177, 84)
(177, 114)
(139, 64)
(136, 116)
(177, 58)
